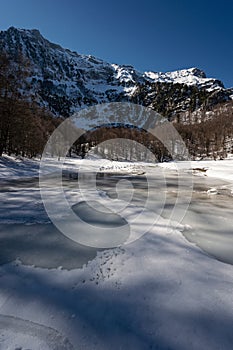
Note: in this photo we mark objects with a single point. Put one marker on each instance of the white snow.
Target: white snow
(12, 168)
(17, 167)
(220, 169)
(191, 76)
(159, 292)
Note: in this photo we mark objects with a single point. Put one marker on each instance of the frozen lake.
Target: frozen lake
(149, 294)
(208, 220)
(27, 234)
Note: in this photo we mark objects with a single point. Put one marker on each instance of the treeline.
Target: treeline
(205, 134)
(121, 143)
(24, 126)
(208, 133)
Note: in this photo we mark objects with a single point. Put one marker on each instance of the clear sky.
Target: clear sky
(158, 35)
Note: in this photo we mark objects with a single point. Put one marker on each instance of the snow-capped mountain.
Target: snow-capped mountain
(65, 81)
(191, 76)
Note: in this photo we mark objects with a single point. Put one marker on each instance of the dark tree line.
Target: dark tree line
(24, 126)
(209, 133)
(119, 150)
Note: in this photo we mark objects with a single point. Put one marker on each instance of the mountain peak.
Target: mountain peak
(197, 72)
(31, 32)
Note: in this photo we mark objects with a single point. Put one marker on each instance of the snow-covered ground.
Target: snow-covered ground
(13, 168)
(17, 167)
(221, 169)
(159, 292)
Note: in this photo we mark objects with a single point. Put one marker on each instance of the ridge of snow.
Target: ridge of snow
(190, 76)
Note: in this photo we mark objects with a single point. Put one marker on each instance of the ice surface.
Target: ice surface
(42, 245)
(158, 292)
(27, 333)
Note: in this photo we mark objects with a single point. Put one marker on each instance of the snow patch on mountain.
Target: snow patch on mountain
(191, 76)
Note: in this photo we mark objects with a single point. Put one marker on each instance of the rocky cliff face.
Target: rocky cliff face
(65, 81)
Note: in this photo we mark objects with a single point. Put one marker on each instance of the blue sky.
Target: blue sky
(159, 35)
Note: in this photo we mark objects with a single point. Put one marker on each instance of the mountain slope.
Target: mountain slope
(65, 81)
